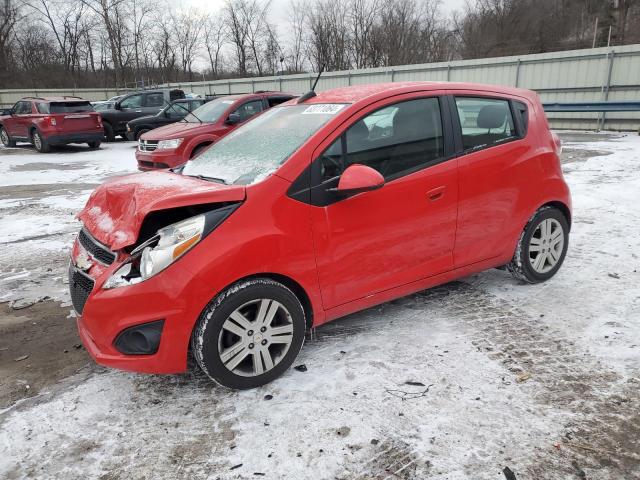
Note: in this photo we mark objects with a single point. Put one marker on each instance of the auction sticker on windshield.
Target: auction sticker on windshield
(324, 108)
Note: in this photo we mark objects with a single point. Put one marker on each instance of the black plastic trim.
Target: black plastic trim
(143, 339)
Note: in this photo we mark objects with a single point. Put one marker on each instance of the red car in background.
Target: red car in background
(173, 145)
(49, 121)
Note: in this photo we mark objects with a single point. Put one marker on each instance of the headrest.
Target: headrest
(492, 116)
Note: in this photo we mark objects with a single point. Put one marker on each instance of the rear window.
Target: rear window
(67, 107)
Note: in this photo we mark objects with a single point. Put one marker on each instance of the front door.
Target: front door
(405, 231)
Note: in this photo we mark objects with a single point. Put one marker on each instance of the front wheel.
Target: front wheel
(40, 143)
(108, 132)
(542, 246)
(250, 334)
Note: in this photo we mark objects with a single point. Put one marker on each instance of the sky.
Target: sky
(279, 9)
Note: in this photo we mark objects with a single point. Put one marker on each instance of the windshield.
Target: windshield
(209, 112)
(259, 147)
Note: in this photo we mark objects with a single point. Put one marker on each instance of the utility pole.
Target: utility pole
(595, 34)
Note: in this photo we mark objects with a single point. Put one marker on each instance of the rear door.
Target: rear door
(403, 232)
(488, 191)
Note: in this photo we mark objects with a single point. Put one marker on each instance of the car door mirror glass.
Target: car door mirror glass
(358, 178)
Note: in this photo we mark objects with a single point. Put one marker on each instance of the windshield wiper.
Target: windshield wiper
(209, 179)
(188, 112)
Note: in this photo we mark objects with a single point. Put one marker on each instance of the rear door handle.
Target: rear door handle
(436, 193)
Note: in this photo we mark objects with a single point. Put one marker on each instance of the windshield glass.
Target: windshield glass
(256, 149)
(209, 112)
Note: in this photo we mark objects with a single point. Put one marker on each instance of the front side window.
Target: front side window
(249, 109)
(484, 122)
(23, 108)
(134, 101)
(155, 100)
(254, 150)
(394, 140)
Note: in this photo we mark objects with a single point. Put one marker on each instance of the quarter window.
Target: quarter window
(484, 121)
(394, 140)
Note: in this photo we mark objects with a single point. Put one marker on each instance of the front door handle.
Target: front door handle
(436, 193)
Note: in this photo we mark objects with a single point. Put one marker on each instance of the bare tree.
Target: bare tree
(215, 38)
(187, 26)
(297, 31)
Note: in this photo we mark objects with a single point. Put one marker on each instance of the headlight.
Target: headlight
(173, 241)
(166, 246)
(169, 144)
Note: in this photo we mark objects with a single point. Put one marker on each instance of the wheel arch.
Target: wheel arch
(560, 206)
(292, 285)
(200, 143)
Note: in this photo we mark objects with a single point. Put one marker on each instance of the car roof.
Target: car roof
(357, 93)
(55, 99)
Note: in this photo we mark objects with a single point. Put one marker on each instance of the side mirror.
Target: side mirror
(233, 119)
(358, 178)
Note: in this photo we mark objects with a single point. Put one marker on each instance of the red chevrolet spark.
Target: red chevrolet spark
(320, 207)
(173, 145)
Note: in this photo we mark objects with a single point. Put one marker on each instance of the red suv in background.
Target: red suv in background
(47, 121)
(172, 145)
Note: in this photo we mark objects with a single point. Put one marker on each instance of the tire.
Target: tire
(94, 145)
(141, 132)
(6, 139)
(247, 366)
(39, 142)
(108, 132)
(546, 233)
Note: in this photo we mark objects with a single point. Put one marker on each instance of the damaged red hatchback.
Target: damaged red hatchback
(318, 208)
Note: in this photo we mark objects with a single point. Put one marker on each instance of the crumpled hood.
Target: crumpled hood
(116, 209)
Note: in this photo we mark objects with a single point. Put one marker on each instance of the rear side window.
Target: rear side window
(485, 122)
(69, 107)
(155, 100)
(522, 114)
(394, 140)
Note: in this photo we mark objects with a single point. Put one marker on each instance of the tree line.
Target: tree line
(100, 43)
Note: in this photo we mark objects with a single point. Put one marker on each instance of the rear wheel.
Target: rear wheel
(94, 145)
(39, 142)
(542, 246)
(6, 140)
(108, 132)
(250, 334)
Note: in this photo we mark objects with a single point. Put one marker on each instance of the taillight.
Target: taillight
(557, 142)
(52, 121)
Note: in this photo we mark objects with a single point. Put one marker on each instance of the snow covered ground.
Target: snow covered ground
(457, 382)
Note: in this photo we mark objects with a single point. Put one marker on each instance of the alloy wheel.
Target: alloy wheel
(546, 245)
(4, 137)
(255, 337)
(37, 141)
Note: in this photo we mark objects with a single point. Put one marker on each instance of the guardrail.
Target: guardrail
(592, 107)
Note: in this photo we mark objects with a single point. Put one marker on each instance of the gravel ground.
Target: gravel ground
(459, 382)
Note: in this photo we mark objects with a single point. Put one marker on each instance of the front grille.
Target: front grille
(147, 145)
(80, 286)
(95, 248)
